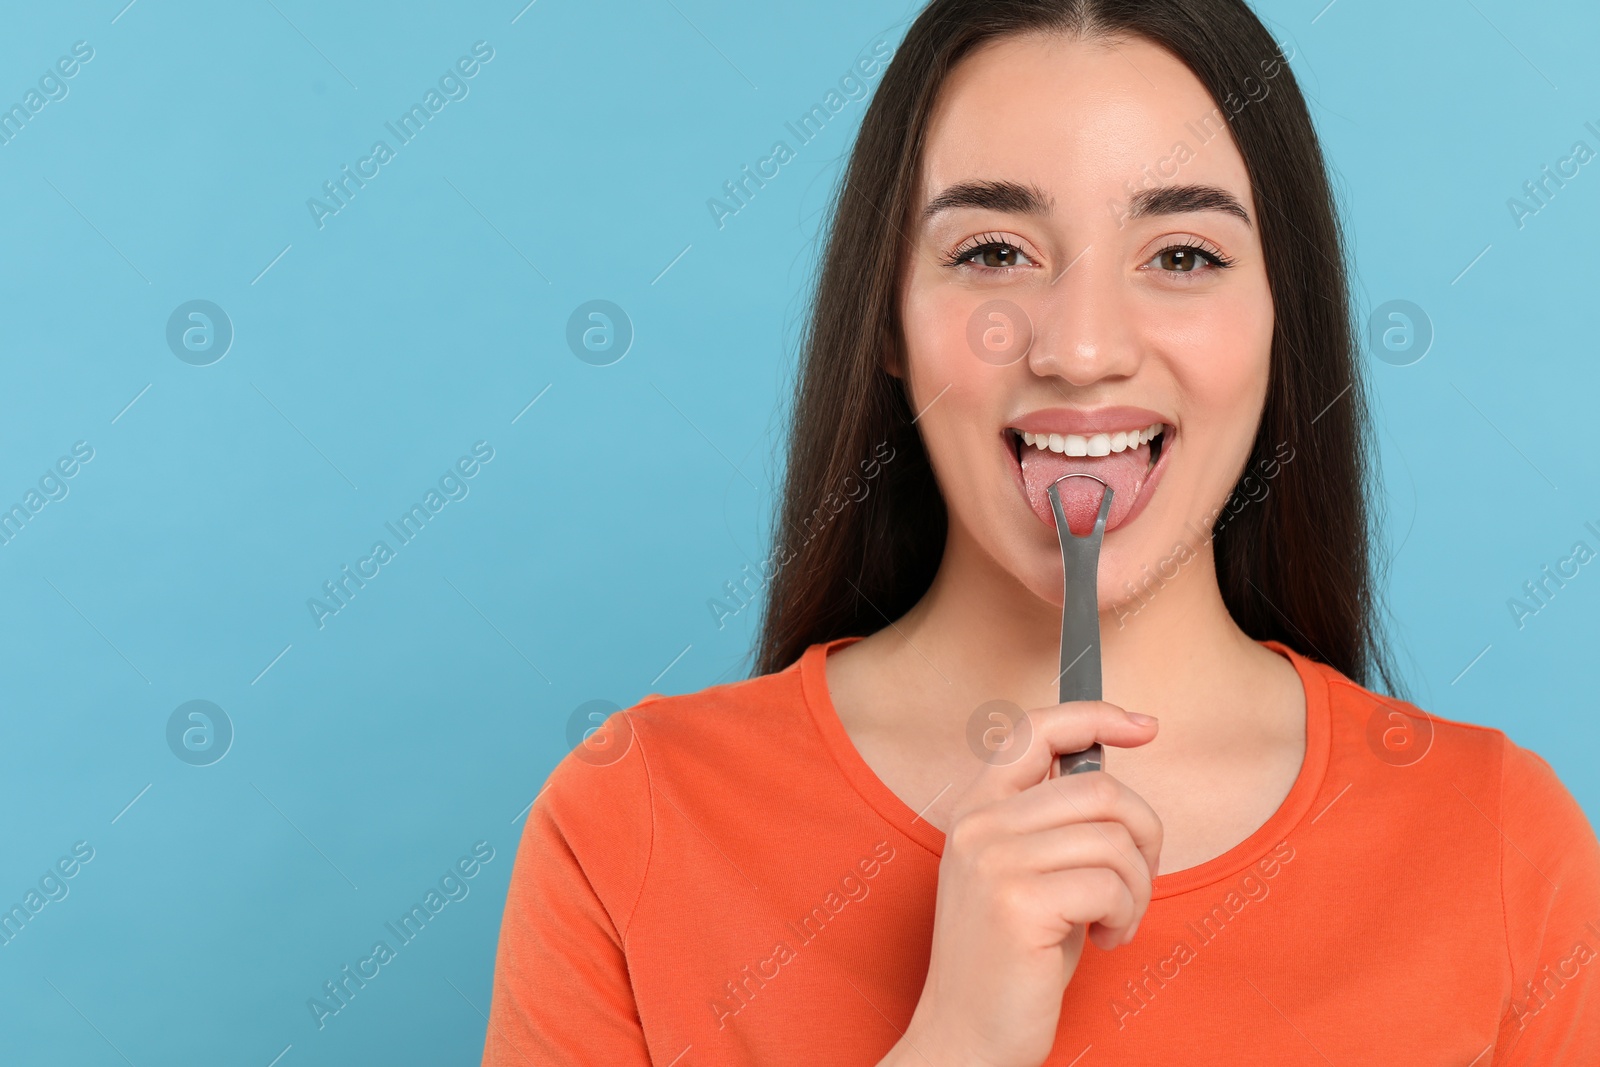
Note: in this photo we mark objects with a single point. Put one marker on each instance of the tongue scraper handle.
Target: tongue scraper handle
(1080, 618)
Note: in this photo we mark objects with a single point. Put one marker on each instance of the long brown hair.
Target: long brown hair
(1295, 565)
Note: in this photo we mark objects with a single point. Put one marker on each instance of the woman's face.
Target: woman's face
(1084, 262)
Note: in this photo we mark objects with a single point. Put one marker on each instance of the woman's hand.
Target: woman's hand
(1032, 863)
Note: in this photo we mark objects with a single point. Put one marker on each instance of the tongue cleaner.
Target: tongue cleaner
(1080, 618)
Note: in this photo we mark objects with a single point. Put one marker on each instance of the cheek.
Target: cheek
(1220, 348)
(945, 376)
(1220, 356)
(934, 323)
(1216, 354)
(966, 344)
(953, 389)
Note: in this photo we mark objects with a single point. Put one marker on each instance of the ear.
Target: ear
(890, 360)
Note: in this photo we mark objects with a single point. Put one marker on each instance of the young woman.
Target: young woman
(1074, 236)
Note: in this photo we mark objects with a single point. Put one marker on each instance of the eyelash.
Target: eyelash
(975, 246)
(1219, 260)
(966, 252)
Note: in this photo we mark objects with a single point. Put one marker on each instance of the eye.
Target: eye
(987, 253)
(1190, 257)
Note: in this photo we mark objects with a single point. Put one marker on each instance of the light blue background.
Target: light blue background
(426, 315)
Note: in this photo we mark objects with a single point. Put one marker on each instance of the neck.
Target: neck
(979, 634)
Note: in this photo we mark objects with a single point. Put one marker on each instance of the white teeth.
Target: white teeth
(1099, 444)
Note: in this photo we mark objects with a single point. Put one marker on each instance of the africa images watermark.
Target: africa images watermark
(852, 85)
(52, 887)
(1552, 979)
(1251, 490)
(738, 992)
(339, 991)
(52, 88)
(52, 486)
(1211, 125)
(832, 504)
(1538, 593)
(1539, 192)
(452, 486)
(452, 87)
(1252, 888)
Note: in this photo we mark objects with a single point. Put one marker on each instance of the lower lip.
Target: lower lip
(1146, 491)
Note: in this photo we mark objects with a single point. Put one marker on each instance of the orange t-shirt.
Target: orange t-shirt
(720, 878)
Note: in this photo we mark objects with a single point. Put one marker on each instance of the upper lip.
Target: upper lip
(1086, 421)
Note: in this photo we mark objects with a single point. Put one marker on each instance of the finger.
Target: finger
(1090, 844)
(1106, 846)
(1042, 734)
(1092, 797)
(1094, 897)
(1106, 939)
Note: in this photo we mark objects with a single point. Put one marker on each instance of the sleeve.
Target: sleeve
(562, 993)
(1550, 886)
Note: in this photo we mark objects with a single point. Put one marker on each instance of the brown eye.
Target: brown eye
(990, 256)
(998, 256)
(1182, 260)
(1189, 259)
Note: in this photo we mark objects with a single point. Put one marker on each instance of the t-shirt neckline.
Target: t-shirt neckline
(1295, 806)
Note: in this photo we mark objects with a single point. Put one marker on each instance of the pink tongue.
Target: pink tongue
(1080, 497)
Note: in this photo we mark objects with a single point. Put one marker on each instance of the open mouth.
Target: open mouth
(1128, 460)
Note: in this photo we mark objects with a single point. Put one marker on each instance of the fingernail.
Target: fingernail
(1141, 720)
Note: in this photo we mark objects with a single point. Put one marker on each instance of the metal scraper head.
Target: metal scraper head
(1080, 618)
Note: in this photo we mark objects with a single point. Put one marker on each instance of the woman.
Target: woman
(1074, 236)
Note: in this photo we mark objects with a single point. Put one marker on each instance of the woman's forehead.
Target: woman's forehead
(1077, 120)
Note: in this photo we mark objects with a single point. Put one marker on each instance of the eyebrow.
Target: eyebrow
(1177, 199)
(1016, 198)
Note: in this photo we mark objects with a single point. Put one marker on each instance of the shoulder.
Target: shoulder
(690, 737)
(1433, 768)
(1488, 865)
(1550, 844)
(601, 804)
(669, 736)
(1466, 775)
(607, 784)
(1387, 731)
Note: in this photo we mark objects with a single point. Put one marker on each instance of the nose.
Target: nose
(1082, 324)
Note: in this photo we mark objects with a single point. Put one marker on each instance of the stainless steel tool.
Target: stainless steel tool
(1080, 618)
